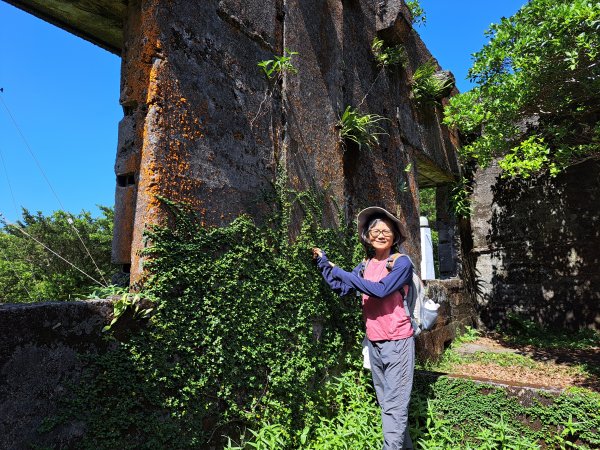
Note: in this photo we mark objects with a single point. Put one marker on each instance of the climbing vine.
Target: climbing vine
(243, 328)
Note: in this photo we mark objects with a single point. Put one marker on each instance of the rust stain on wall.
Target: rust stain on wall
(210, 130)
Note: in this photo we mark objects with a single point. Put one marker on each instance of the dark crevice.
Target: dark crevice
(125, 179)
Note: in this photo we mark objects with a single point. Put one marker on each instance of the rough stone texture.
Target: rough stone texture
(203, 124)
(456, 311)
(537, 247)
(39, 344)
(97, 21)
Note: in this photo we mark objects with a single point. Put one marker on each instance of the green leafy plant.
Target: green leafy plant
(106, 292)
(279, 65)
(351, 419)
(527, 158)
(362, 129)
(388, 56)
(464, 414)
(242, 334)
(429, 85)
(460, 198)
(268, 437)
(140, 305)
(275, 69)
(445, 413)
(402, 184)
(418, 13)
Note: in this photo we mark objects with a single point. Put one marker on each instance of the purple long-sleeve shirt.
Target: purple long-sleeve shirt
(343, 282)
(382, 299)
(382, 295)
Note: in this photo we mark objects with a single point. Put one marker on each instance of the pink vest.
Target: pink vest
(385, 318)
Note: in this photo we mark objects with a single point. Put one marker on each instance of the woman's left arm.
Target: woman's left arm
(399, 276)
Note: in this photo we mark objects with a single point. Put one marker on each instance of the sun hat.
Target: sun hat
(365, 216)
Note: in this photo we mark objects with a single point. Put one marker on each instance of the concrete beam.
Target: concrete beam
(429, 174)
(97, 21)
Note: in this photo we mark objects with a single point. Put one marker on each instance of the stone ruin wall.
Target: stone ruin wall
(200, 126)
(537, 247)
(40, 362)
(191, 93)
(40, 357)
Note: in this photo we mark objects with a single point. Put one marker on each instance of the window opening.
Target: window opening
(126, 179)
(428, 214)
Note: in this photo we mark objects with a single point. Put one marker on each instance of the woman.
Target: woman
(389, 331)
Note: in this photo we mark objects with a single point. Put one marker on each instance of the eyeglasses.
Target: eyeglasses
(376, 233)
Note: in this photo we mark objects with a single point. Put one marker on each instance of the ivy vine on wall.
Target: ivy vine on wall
(243, 328)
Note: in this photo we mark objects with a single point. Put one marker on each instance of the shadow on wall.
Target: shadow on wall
(544, 238)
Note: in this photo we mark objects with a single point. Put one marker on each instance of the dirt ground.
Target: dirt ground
(547, 368)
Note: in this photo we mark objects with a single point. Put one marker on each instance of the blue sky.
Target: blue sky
(63, 93)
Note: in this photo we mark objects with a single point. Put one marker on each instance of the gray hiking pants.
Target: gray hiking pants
(392, 368)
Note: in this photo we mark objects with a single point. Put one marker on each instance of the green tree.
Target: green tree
(29, 272)
(538, 89)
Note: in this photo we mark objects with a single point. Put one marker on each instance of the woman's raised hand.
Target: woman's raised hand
(317, 252)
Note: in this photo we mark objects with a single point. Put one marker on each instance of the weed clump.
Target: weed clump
(361, 129)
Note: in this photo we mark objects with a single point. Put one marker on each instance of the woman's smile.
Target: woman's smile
(381, 237)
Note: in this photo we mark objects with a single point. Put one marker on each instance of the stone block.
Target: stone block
(536, 244)
(39, 347)
(456, 310)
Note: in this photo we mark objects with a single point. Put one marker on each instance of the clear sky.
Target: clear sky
(63, 93)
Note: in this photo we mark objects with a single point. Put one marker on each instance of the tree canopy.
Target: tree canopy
(537, 95)
(29, 272)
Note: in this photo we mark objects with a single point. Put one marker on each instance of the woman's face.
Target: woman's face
(381, 235)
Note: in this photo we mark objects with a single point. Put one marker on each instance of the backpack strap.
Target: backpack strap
(390, 265)
(363, 267)
(392, 259)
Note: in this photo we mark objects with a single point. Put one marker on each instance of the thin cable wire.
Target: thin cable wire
(12, 195)
(70, 218)
(49, 249)
(16, 274)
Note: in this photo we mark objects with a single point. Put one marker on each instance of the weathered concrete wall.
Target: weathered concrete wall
(203, 125)
(39, 344)
(537, 247)
(457, 310)
(97, 21)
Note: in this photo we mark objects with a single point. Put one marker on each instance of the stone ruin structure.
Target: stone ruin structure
(536, 247)
(203, 125)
